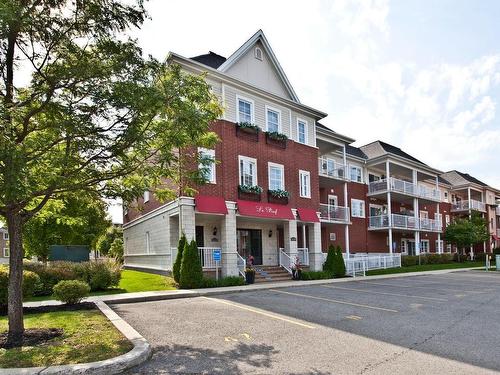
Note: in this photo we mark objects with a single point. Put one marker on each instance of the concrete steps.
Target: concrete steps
(271, 274)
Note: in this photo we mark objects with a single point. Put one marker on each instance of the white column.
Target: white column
(416, 215)
(440, 250)
(315, 253)
(470, 216)
(304, 243)
(187, 222)
(290, 234)
(346, 230)
(389, 209)
(229, 261)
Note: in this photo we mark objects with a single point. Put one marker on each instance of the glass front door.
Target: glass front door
(249, 242)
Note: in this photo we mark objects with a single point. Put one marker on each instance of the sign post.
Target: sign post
(216, 256)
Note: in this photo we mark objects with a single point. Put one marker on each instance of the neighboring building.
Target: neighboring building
(375, 198)
(4, 246)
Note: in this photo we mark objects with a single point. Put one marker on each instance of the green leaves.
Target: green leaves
(465, 232)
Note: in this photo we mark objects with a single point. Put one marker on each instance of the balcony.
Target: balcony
(404, 222)
(467, 205)
(333, 214)
(404, 188)
(329, 168)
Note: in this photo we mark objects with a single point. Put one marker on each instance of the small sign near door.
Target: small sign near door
(216, 255)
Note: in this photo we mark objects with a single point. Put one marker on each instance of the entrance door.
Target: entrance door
(249, 242)
(410, 247)
(200, 242)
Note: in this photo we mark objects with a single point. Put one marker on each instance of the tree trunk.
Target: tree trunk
(15, 291)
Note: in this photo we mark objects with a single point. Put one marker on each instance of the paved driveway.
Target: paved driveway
(439, 324)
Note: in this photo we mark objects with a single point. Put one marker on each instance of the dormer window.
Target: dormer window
(258, 53)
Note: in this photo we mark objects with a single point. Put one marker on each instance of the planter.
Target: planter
(250, 277)
(280, 143)
(247, 196)
(251, 134)
(276, 200)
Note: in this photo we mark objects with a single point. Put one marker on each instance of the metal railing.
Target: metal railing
(242, 264)
(430, 225)
(303, 254)
(404, 222)
(404, 187)
(206, 257)
(328, 212)
(467, 205)
(330, 168)
(358, 265)
(285, 260)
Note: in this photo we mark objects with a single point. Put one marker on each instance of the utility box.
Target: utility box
(497, 262)
(70, 253)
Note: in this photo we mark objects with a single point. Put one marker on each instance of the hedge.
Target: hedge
(71, 291)
(30, 282)
(316, 275)
(225, 281)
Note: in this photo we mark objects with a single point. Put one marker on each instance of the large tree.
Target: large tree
(467, 231)
(71, 219)
(81, 109)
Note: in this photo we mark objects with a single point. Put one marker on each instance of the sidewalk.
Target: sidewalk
(173, 294)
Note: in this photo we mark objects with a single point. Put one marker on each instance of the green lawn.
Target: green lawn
(131, 281)
(425, 267)
(88, 336)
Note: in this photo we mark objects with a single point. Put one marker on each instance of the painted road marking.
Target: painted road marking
(465, 279)
(229, 339)
(422, 287)
(384, 293)
(260, 312)
(353, 317)
(336, 301)
(245, 335)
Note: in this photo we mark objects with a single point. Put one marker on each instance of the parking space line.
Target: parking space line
(387, 294)
(423, 287)
(336, 301)
(465, 279)
(260, 312)
(430, 284)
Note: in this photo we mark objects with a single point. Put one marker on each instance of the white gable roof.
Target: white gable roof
(260, 40)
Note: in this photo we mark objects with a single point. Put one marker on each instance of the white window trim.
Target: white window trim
(148, 242)
(335, 198)
(378, 206)
(210, 152)
(423, 214)
(301, 172)
(6, 252)
(252, 108)
(360, 174)
(269, 108)
(240, 158)
(428, 246)
(275, 165)
(306, 130)
(146, 196)
(6, 236)
(352, 207)
(256, 54)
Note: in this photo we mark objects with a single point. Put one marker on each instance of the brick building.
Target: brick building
(276, 197)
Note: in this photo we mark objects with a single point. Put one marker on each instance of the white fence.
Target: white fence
(358, 265)
(206, 257)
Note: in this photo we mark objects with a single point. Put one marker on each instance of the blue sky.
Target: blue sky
(423, 75)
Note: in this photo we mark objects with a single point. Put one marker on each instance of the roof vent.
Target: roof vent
(258, 53)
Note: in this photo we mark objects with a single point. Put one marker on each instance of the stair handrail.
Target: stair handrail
(242, 264)
(285, 260)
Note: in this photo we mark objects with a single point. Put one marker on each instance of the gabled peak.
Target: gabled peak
(210, 59)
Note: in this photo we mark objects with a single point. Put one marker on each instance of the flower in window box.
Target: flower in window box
(277, 136)
(280, 194)
(250, 189)
(246, 126)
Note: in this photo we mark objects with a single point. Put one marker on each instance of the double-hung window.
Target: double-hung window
(301, 131)
(273, 120)
(305, 184)
(245, 110)
(6, 252)
(207, 164)
(248, 171)
(276, 176)
(357, 208)
(356, 174)
(6, 236)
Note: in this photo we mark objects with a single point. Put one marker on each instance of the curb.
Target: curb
(139, 354)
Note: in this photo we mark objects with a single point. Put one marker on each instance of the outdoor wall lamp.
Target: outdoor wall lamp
(270, 233)
(214, 232)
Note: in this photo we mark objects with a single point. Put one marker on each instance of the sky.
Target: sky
(422, 75)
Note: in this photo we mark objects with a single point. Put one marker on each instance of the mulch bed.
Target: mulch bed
(33, 336)
(44, 309)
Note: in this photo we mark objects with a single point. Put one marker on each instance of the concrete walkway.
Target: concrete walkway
(172, 294)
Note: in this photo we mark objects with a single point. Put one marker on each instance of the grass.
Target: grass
(425, 267)
(88, 336)
(131, 281)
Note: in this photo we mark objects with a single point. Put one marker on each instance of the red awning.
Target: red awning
(308, 214)
(212, 205)
(495, 237)
(266, 210)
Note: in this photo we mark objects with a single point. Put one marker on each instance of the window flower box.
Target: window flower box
(249, 193)
(278, 196)
(276, 139)
(248, 131)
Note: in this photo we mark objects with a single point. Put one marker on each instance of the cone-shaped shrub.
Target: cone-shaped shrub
(191, 271)
(330, 260)
(176, 270)
(339, 264)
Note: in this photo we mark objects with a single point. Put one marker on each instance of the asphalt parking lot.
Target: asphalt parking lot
(436, 324)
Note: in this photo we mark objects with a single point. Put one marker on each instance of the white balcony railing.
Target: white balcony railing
(467, 205)
(328, 212)
(404, 187)
(303, 254)
(330, 168)
(405, 222)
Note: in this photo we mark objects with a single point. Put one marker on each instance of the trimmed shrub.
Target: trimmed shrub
(409, 260)
(98, 275)
(329, 265)
(30, 283)
(176, 269)
(315, 275)
(71, 292)
(339, 264)
(225, 281)
(191, 272)
(50, 275)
